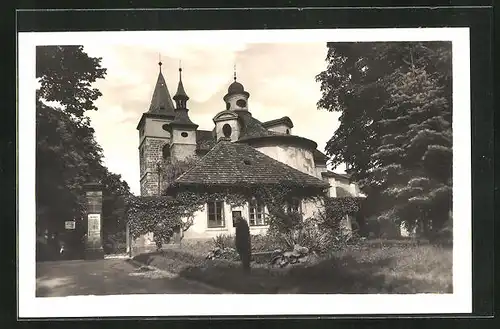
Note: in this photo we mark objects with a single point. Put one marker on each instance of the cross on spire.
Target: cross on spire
(234, 72)
(159, 61)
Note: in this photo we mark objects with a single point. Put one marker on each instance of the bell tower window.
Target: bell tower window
(228, 106)
(226, 130)
(241, 103)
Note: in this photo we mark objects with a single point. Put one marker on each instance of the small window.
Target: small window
(215, 214)
(226, 130)
(293, 206)
(241, 103)
(256, 213)
(166, 151)
(288, 131)
(184, 134)
(228, 106)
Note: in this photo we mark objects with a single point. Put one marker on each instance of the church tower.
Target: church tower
(228, 122)
(182, 130)
(153, 140)
(236, 97)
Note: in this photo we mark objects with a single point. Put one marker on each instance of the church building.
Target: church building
(239, 149)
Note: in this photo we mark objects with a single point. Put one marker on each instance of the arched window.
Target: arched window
(228, 106)
(226, 130)
(288, 131)
(166, 151)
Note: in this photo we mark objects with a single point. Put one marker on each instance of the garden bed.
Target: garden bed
(367, 268)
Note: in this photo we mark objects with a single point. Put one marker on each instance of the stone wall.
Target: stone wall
(151, 152)
(181, 152)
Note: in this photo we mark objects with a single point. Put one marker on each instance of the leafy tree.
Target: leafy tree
(67, 154)
(66, 74)
(395, 125)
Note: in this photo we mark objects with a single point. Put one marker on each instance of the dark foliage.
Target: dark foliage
(395, 133)
(67, 154)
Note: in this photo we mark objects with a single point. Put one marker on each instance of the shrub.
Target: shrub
(115, 243)
(264, 243)
(311, 236)
(321, 234)
(336, 209)
(285, 222)
(223, 241)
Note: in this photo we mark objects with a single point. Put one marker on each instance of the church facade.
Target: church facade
(238, 149)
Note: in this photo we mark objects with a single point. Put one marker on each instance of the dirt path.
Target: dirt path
(109, 277)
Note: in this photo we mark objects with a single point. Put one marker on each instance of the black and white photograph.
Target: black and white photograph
(240, 172)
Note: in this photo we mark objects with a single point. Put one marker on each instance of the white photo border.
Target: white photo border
(151, 305)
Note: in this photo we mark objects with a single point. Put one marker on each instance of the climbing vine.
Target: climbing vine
(162, 215)
(335, 210)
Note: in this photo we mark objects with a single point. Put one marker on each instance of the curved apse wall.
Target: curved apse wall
(295, 156)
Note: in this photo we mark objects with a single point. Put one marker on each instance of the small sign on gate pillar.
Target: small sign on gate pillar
(93, 243)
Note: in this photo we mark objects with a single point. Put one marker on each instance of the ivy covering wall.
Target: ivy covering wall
(162, 215)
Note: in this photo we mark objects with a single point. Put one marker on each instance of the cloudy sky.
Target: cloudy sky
(280, 78)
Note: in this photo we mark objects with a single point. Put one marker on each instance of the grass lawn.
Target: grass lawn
(374, 267)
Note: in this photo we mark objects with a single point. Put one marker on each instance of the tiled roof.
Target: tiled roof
(285, 120)
(182, 118)
(319, 157)
(252, 127)
(181, 93)
(161, 102)
(335, 175)
(234, 163)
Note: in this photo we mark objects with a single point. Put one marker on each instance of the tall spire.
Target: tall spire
(181, 110)
(161, 102)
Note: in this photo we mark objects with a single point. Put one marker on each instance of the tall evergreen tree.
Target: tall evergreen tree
(395, 125)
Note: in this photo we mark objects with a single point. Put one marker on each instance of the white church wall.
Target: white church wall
(332, 192)
(310, 208)
(181, 136)
(294, 156)
(346, 185)
(154, 127)
(235, 128)
(183, 144)
(233, 99)
(200, 230)
(320, 168)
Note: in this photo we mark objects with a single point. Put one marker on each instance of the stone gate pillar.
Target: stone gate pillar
(93, 241)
